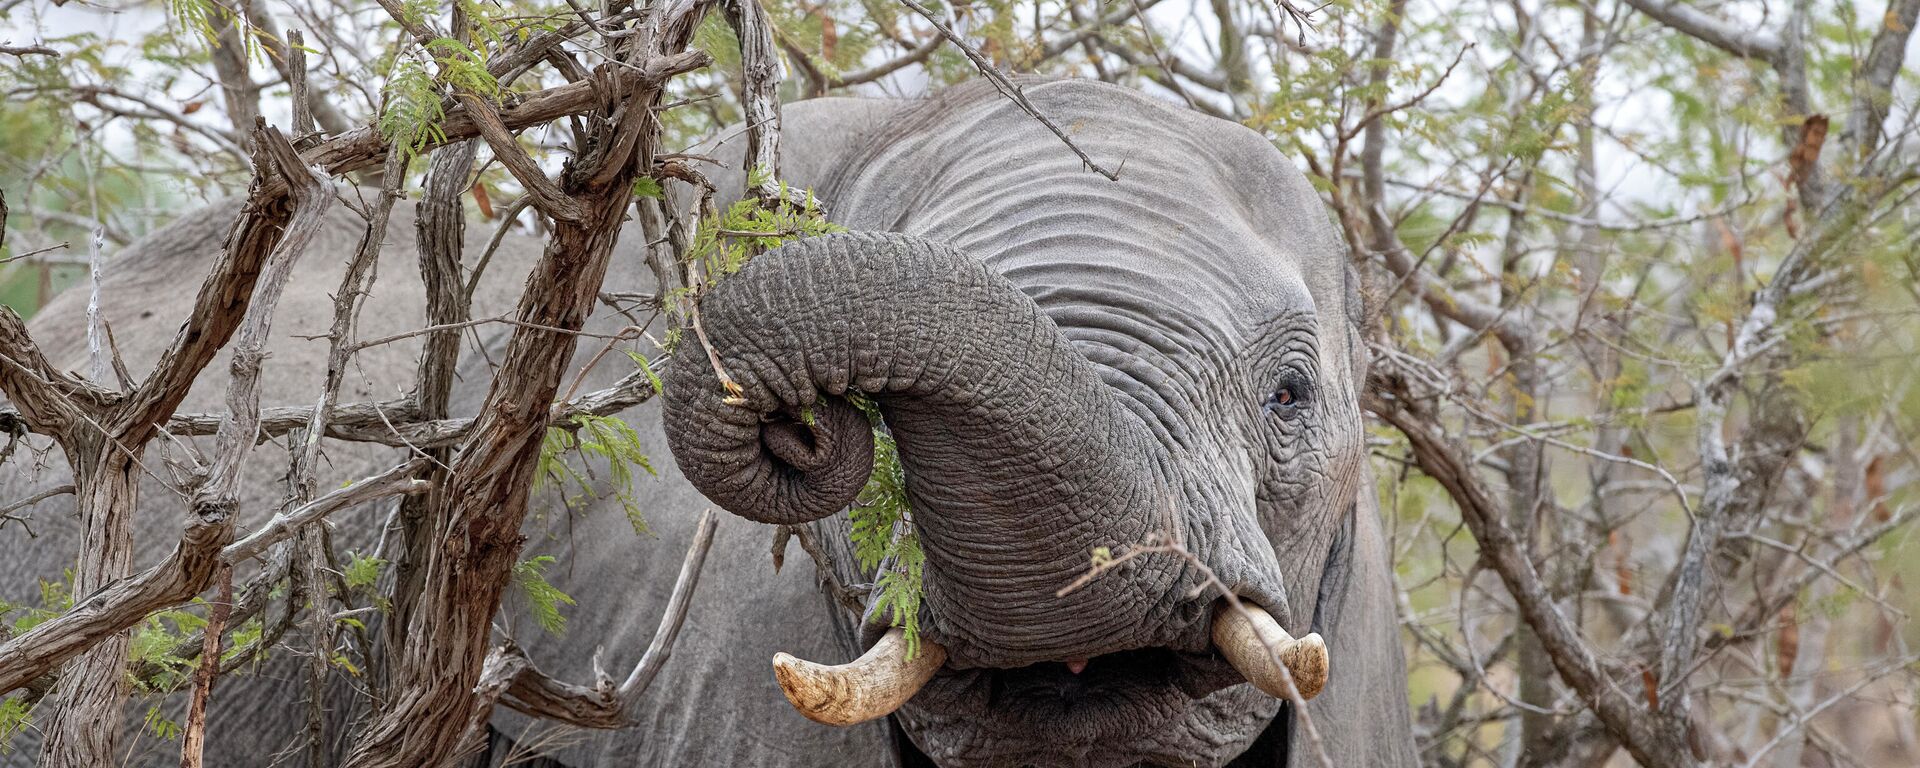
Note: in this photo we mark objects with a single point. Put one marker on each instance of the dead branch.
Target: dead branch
(392, 482)
(7, 513)
(547, 197)
(1711, 30)
(1441, 458)
(483, 503)
(102, 454)
(194, 738)
(175, 580)
(512, 679)
(28, 50)
(1873, 86)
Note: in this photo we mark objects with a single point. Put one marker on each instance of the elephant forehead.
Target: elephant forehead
(1202, 222)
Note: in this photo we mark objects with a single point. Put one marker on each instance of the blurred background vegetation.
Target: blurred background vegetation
(1613, 184)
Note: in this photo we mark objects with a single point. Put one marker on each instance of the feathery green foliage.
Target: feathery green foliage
(640, 360)
(606, 437)
(411, 115)
(463, 68)
(154, 641)
(362, 571)
(204, 19)
(158, 725)
(244, 640)
(725, 243)
(543, 598)
(883, 538)
(55, 599)
(15, 715)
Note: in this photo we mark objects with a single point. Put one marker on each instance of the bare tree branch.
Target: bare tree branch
(174, 581)
(512, 679)
(28, 50)
(1873, 83)
(1441, 458)
(1713, 31)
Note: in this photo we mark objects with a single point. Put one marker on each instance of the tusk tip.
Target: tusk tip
(1252, 641)
(1307, 660)
(867, 688)
(810, 692)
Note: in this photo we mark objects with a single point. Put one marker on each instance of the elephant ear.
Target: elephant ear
(1356, 611)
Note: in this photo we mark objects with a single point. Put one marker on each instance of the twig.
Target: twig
(509, 678)
(1800, 720)
(1164, 543)
(395, 481)
(669, 629)
(1007, 87)
(1444, 461)
(33, 253)
(28, 50)
(1718, 33)
(7, 512)
(194, 740)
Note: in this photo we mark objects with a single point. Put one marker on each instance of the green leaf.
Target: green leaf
(158, 724)
(543, 598)
(244, 639)
(607, 438)
(15, 716)
(883, 535)
(463, 68)
(412, 113)
(659, 387)
(362, 571)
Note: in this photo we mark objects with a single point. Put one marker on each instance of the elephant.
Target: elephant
(1165, 368)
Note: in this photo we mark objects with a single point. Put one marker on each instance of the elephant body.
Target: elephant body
(1171, 300)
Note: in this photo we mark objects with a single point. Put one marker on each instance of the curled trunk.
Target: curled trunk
(1019, 460)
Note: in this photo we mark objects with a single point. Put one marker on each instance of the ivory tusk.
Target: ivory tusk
(870, 687)
(1244, 639)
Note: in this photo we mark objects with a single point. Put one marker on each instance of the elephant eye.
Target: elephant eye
(1287, 399)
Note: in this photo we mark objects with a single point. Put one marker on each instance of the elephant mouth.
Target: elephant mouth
(1153, 705)
(1148, 706)
(1055, 692)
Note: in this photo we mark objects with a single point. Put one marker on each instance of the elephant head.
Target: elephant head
(1066, 364)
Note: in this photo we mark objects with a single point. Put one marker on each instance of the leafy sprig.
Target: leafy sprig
(543, 598)
(411, 116)
(884, 541)
(606, 437)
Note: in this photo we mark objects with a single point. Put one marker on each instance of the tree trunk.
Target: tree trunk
(83, 731)
(475, 518)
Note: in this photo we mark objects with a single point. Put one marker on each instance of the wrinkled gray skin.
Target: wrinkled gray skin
(1066, 363)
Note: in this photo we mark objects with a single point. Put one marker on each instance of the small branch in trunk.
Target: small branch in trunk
(7, 512)
(194, 741)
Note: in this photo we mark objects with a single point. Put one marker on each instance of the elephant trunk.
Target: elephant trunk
(1019, 459)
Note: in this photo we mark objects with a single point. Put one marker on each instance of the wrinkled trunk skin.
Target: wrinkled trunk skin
(1019, 461)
